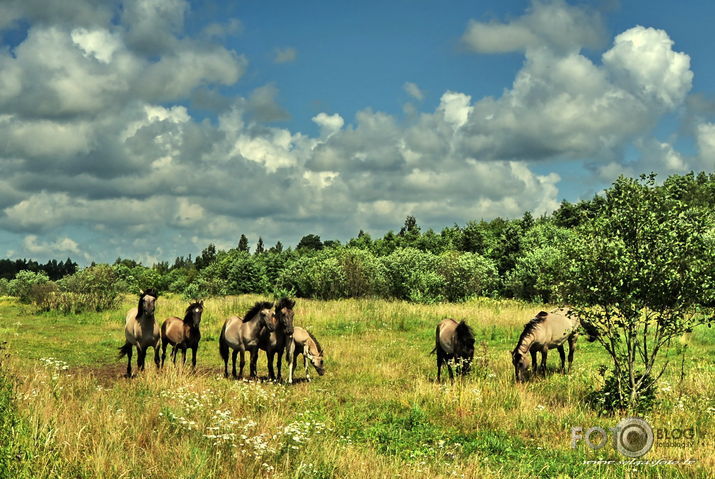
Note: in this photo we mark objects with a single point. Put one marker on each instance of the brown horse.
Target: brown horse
(244, 334)
(182, 334)
(546, 331)
(454, 343)
(142, 331)
(275, 342)
(306, 344)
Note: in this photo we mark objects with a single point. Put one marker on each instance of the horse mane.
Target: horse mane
(464, 333)
(187, 314)
(317, 344)
(140, 307)
(531, 325)
(285, 302)
(256, 308)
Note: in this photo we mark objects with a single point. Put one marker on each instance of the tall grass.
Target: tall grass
(376, 413)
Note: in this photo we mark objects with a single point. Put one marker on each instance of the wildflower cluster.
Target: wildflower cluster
(178, 420)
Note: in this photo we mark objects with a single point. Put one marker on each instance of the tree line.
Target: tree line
(522, 258)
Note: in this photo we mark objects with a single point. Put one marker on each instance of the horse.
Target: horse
(182, 334)
(545, 331)
(244, 334)
(306, 344)
(454, 342)
(142, 331)
(281, 338)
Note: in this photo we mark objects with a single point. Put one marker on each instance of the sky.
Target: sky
(148, 129)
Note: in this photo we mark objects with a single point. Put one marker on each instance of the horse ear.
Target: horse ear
(141, 292)
(201, 302)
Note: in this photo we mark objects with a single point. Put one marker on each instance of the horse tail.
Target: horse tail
(222, 345)
(436, 341)
(590, 330)
(124, 350)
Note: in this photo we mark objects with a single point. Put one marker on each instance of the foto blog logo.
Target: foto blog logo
(632, 437)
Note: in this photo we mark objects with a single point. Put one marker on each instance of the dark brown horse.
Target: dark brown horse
(454, 344)
(142, 331)
(279, 340)
(182, 334)
(243, 335)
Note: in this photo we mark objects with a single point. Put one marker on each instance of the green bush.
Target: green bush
(96, 288)
(536, 275)
(23, 284)
(412, 275)
(4, 287)
(466, 275)
(335, 273)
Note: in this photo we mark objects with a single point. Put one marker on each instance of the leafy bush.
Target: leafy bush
(96, 288)
(335, 273)
(4, 287)
(466, 275)
(536, 275)
(611, 399)
(23, 284)
(412, 275)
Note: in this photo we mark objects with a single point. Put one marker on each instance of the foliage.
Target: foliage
(96, 288)
(636, 275)
(335, 273)
(24, 282)
(611, 398)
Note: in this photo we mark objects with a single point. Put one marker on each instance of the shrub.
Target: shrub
(466, 275)
(412, 275)
(4, 287)
(335, 273)
(96, 288)
(536, 275)
(23, 283)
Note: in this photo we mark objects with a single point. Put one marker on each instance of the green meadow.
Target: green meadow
(376, 413)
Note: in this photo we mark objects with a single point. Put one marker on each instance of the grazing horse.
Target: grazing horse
(142, 331)
(454, 343)
(305, 343)
(546, 331)
(280, 339)
(244, 334)
(182, 334)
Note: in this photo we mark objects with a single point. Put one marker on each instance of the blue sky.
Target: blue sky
(149, 128)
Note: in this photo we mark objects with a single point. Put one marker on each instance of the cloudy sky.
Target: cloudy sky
(149, 128)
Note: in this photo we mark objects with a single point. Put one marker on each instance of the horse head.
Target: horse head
(193, 314)
(284, 313)
(521, 365)
(464, 346)
(147, 302)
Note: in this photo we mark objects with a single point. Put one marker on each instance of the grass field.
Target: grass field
(376, 413)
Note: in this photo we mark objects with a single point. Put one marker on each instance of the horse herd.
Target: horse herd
(262, 327)
(270, 328)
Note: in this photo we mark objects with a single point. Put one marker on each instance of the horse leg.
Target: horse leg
(280, 364)
(141, 357)
(129, 362)
(534, 364)
(254, 363)
(235, 352)
(439, 365)
(183, 356)
(544, 353)
(269, 357)
(572, 347)
(156, 355)
(307, 371)
(449, 362)
(291, 368)
(194, 351)
(163, 352)
(173, 354)
(562, 355)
